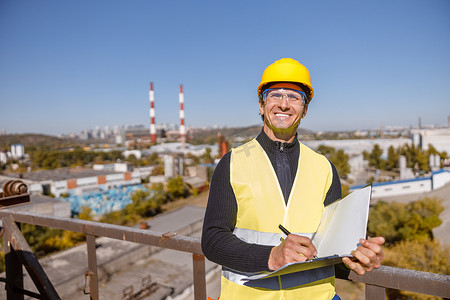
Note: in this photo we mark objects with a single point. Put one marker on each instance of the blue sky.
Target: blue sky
(66, 66)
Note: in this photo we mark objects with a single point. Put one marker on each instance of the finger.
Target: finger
(373, 251)
(354, 266)
(299, 257)
(364, 260)
(297, 252)
(302, 243)
(372, 244)
(303, 240)
(377, 240)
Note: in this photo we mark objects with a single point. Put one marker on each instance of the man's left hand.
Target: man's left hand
(367, 257)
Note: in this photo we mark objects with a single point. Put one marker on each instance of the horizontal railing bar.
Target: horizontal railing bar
(406, 280)
(141, 236)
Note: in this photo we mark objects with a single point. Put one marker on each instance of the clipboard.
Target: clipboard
(341, 226)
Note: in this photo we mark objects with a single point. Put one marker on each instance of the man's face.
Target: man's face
(283, 116)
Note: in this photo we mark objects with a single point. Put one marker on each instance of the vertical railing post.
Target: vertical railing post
(92, 266)
(14, 273)
(199, 276)
(374, 292)
(13, 268)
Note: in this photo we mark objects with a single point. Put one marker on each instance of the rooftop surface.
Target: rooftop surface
(58, 174)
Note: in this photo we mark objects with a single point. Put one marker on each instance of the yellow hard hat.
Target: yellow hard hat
(287, 70)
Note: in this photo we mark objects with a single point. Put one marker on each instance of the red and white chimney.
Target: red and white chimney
(151, 95)
(182, 127)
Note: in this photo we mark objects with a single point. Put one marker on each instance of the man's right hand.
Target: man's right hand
(294, 248)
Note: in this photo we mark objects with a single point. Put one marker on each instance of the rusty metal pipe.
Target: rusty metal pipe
(13, 188)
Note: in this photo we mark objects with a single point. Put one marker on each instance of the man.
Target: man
(274, 180)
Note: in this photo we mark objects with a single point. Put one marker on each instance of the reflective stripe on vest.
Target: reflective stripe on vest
(261, 207)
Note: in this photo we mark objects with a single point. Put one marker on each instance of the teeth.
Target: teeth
(282, 115)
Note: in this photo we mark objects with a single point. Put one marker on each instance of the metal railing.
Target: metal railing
(93, 229)
(376, 281)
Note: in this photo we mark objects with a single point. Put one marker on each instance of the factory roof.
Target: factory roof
(177, 147)
(58, 174)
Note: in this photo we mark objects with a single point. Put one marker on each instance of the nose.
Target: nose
(284, 102)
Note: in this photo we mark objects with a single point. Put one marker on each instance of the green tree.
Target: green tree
(421, 255)
(432, 150)
(46, 158)
(392, 159)
(345, 190)
(375, 159)
(340, 161)
(415, 158)
(206, 157)
(399, 221)
(38, 238)
(153, 159)
(176, 187)
(145, 203)
(195, 159)
(158, 170)
(338, 158)
(159, 193)
(325, 150)
(133, 160)
(409, 239)
(425, 255)
(85, 213)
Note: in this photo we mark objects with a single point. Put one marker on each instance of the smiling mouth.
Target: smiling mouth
(281, 115)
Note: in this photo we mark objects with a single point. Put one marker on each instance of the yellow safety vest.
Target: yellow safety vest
(261, 208)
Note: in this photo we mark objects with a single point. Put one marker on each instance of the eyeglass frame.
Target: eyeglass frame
(303, 95)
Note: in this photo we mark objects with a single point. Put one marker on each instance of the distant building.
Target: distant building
(357, 146)
(439, 138)
(17, 151)
(3, 157)
(77, 180)
(409, 186)
(137, 132)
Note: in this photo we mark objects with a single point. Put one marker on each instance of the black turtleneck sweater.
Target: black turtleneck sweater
(219, 244)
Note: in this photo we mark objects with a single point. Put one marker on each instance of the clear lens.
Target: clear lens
(276, 95)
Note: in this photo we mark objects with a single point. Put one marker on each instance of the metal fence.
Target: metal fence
(18, 254)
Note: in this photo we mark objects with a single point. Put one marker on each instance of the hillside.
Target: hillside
(199, 136)
(232, 133)
(31, 140)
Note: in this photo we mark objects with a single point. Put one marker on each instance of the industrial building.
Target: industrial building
(439, 138)
(78, 180)
(419, 185)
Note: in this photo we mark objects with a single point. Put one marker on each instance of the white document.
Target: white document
(343, 223)
(341, 226)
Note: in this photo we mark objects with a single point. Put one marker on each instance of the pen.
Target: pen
(285, 231)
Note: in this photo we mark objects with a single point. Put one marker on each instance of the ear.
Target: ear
(261, 108)
(304, 111)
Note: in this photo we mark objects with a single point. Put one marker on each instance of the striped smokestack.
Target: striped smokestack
(151, 95)
(182, 128)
